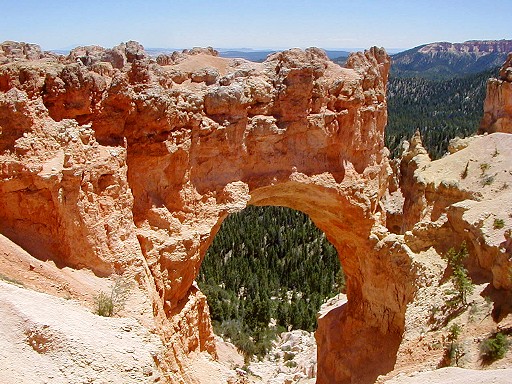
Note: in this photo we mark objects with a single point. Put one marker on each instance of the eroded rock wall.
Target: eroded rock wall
(119, 163)
(63, 196)
(498, 102)
(464, 197)
(459, 201)
(113, 161)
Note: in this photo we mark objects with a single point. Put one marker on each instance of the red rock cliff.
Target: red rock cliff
(498, 102)
(113, 161)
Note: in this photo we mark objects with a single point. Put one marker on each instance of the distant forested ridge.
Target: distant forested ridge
(439, 109)
(443, 60)
(267, 263)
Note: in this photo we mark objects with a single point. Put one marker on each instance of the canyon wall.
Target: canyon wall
(498, 102)
(123, 164)
(114, 161)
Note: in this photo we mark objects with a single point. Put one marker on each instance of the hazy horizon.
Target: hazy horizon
(232, 49)
(259, 25)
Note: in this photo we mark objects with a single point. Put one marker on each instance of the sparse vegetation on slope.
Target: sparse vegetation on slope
(461, 281)
(494, 347)
(498, 223)
(453, 350)
(109, 304)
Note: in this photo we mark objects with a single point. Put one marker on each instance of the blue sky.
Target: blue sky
(55, 24)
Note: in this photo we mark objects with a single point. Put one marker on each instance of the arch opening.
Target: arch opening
(379, 280)
(268, 271)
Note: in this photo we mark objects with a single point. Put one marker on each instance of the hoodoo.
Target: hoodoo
(498, 102)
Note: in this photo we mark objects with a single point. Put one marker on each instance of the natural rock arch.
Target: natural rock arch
(360, 339)
(318, 149)
(178, 146)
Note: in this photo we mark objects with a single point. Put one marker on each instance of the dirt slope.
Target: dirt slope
(45, 339)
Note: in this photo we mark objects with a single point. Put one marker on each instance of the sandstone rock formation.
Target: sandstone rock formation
(498, 102)
(117, 163)
(463, 195)
(463, 198)
(12, 50)
(95, 56)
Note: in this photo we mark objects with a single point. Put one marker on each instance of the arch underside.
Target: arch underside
(357, 341)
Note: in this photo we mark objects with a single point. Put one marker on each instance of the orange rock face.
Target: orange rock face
(498, 102)
(113, 161)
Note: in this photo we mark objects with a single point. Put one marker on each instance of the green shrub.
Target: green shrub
(109, 304)
(340, 281)
(498, 223)
(494, 347)
(454, 352)
(463, 284)
(104, 304)
(484, 167)
(487, 180)
(455, 331)
(256, 342)
(288, 356)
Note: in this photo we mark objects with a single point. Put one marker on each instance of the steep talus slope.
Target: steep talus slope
(49, 339)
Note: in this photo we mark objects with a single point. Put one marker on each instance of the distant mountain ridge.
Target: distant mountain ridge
(442, 60)
(261, 55)
(257, 55)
